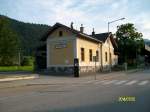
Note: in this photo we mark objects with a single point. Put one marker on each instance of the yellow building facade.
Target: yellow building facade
(65, 44)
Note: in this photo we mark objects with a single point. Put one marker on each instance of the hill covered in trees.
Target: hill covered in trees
(29, 34)
(147, 41)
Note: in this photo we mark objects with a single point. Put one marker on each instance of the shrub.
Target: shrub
(27, 61)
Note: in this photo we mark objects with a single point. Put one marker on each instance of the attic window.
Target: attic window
(60, 33)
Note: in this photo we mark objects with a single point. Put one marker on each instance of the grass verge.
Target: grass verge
(16, 68)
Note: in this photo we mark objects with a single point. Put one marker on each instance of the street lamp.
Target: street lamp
(114, 21)
(109, 42)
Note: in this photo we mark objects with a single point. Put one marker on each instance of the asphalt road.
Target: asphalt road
(68, 94)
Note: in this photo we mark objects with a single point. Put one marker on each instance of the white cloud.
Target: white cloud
(92, 13)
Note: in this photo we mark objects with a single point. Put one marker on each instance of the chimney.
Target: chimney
(81, 28)
(93, 32)
(71, 25)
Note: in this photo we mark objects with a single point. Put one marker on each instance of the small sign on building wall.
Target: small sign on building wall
(61, 45)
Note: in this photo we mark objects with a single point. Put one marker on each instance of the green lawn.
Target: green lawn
(16, 68)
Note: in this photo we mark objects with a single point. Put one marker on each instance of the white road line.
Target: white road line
(143, 83)
(120, 82)
(98, 82)
(131, 82)
(90, 81)
(110, 82)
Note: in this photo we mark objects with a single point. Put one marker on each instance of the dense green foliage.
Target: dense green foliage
(29, 34)
(27, 61)
(9, 44)
(130, 43)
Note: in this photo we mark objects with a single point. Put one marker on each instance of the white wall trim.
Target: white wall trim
(89, 64)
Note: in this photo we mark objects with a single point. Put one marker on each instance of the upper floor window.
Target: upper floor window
(82, 54)
(90, 55)
(60, 33)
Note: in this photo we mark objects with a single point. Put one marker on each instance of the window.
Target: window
(110, 58)
(106, 56)
(90, 54)
(60, 33)
(97, 56)
(82, 54)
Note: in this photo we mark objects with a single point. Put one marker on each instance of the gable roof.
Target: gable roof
(102, 36)
(57, 25)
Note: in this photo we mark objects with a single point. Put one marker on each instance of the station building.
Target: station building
(66, 47)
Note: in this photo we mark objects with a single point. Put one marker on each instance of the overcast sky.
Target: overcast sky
(91, 13)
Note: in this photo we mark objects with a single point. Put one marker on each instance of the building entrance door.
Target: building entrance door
(76, 67)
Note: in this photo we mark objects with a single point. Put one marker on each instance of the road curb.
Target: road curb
(18, 78)
(133, 71)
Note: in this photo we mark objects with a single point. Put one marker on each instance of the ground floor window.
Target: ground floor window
(82, 54)
(90, 55)
(110, 59)
(106, 56)
(97, 56)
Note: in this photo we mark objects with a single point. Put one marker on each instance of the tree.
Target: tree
(9, 44)
(29, 34)
(130, 43)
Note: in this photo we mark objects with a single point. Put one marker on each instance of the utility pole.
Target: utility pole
(19, 57)
(94, 57)
(109, 42)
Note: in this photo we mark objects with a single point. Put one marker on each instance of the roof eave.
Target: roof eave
(89, 37)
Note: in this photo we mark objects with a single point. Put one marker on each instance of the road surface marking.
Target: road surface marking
(143, 82)
(109, 82)
(98, 82)
(90, 81)
(120, 82)
(131, 82)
